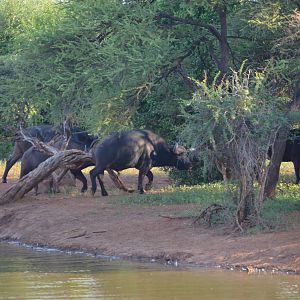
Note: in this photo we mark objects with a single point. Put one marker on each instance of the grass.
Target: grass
(202, 193)
(281, 212)
(277, 214)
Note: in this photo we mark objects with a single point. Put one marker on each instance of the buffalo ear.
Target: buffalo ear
(178, 149)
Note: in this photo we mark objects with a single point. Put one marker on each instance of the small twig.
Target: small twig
(77, 235)
(174, 217)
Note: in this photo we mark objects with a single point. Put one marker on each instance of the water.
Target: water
(27, 274)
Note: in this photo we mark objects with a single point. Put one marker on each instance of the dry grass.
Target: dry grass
(130, 171)
(286, 170)
(287, 173)
(14, 172)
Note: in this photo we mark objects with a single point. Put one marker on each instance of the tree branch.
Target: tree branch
(209, 27)
(190, 82)
(178, 61)
(48, 149)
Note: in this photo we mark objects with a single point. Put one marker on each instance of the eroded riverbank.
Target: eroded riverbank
(101, 226)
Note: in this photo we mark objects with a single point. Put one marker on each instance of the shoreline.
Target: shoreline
(145, 260)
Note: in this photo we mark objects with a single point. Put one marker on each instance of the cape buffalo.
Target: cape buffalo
(292, 151)
(140, 149)
(80, 140)
(32, 158)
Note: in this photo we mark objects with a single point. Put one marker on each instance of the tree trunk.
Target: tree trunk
(272, 175)
(279, 148)
(224, 60)
(245, 206)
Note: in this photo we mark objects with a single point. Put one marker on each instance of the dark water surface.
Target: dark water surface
(27, 274)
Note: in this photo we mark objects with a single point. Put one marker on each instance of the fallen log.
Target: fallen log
(65, 160)
(69, 159)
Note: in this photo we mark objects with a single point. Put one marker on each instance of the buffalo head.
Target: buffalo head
(181, 158)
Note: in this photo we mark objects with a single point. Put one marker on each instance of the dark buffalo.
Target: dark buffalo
(32, 158)
(44, 133)
(79, 140)
(292, 151)
(140, 149)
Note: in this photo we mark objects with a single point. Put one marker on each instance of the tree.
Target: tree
(119, 64)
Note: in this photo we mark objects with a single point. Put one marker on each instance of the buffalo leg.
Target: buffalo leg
(16, 155)
(79, 175)
(52, 185)
(103, 190)
(117, 181)
(36, 189)
(148, 186)
(61, 175)
(297, 170)
(142, 175)
(93, 174)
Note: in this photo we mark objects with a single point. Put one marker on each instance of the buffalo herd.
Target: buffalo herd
(140, 149)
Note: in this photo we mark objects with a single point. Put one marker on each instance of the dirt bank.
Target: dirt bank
(101, 225)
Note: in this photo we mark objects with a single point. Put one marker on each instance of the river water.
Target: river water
(28, 274)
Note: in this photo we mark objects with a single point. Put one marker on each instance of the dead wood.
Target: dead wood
(174, 217)
(70, 159)
(59, 158)
(207, 212)
(81, 234)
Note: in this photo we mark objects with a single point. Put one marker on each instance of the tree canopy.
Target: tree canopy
(121, 64)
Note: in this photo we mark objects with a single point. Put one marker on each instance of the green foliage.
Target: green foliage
(5, 147)
(115, 65)
(197, 174)
(279, 213)
(112, 64)
(219, 108)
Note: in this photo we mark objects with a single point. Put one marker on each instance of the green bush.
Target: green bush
(197, 174)
(5, 148)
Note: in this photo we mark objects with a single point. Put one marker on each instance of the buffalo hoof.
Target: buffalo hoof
(130, 191)
(93, 193)
(4, 180)
(141, 191)
(83, 190)
(148, 186)
(104, 193)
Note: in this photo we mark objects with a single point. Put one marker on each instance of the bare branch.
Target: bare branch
(209, 27)
(188, 80)
(178, 60)
(37, 143)
(69, 159)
